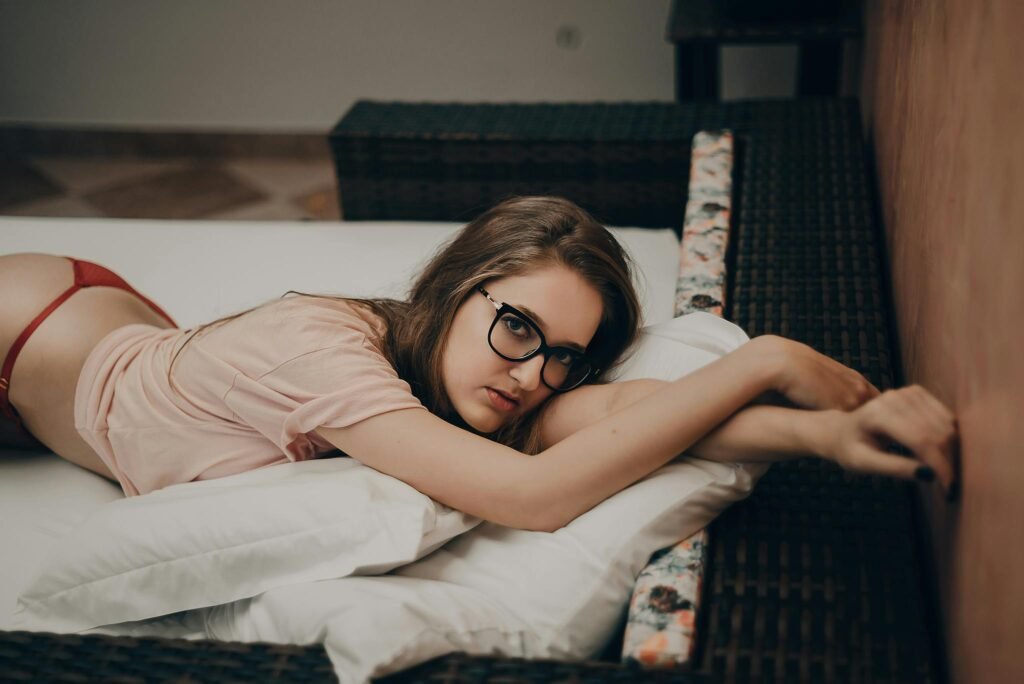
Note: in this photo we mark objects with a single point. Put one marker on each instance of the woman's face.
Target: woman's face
(565, 307)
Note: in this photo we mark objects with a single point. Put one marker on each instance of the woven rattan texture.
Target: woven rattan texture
(463, 669)
(816, 577)
(42, 657)
(628, 164)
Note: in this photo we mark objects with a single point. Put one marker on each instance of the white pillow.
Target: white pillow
(507, 591)
(204, 543)
(369, 625)
(679, 346)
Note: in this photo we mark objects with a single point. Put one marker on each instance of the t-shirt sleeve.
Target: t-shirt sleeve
(335, 386)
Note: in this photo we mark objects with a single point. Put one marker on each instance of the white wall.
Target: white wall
(297, 65)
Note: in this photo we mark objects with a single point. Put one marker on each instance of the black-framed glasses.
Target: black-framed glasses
(514, 337)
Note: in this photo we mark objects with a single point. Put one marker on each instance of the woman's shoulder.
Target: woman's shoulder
(321, 339)
(321, 314)
(307, 334)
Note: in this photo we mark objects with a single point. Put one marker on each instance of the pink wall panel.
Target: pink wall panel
(943, 98)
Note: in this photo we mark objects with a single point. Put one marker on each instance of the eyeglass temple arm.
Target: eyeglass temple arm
(485, 293)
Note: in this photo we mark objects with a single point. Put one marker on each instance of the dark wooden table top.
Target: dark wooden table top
(711, 21)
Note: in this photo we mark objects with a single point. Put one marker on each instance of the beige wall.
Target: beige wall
(269, 65)
(944, 106)
(298, 65)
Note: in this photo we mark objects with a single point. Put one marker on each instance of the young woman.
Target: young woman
(499, 353)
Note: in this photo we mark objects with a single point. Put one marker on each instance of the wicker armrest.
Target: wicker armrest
(818, 576)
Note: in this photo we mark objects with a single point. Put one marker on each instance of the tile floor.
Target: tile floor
(220, 189)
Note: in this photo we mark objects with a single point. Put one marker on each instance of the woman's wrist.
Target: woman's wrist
(815, 431)
(772, 360)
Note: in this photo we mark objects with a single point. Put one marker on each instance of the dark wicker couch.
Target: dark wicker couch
(818, 576)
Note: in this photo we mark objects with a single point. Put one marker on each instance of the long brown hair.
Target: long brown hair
(514, 237)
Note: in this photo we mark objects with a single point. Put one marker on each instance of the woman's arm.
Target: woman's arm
(855, 436)
(804, 378)
(494, 482)
(851, 423)
(754, 433)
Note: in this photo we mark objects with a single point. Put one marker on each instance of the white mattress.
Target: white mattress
(201, 270)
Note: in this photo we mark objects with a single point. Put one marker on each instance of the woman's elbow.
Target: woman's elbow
(549, 525)
(535, 524)
(547, 512)
(541, 520)
(522, 508)
(527, 514)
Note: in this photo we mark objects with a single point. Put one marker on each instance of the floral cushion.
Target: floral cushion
(663, 608)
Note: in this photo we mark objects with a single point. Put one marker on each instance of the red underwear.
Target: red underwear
(87, 274)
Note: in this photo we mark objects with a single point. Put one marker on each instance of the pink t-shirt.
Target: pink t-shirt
(247, 393)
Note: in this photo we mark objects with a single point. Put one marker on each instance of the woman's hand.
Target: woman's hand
(910, 416)
(812, 380)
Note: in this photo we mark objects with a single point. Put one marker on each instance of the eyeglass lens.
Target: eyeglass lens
(515, 338)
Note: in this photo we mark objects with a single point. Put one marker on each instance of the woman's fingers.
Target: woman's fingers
(941, 419)
(814, 380)
(908, 417)
(872, 391)
(854, 389)
(865, 391)
(943, 415)
(865, 459)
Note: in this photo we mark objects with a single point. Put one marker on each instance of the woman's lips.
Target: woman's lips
(500, 402)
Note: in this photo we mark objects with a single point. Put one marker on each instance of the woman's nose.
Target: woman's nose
(527, 373)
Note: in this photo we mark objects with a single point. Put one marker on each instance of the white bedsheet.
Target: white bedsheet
(198, 271)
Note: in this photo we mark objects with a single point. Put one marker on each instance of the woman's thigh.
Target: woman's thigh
(46, 372)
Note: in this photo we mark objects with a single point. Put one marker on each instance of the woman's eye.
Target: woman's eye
(564, 358)
(516, 326)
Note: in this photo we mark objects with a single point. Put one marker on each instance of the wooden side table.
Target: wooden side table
(698, 28)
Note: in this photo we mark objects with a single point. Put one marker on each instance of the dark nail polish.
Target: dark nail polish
(954, 492)
(924, 474)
